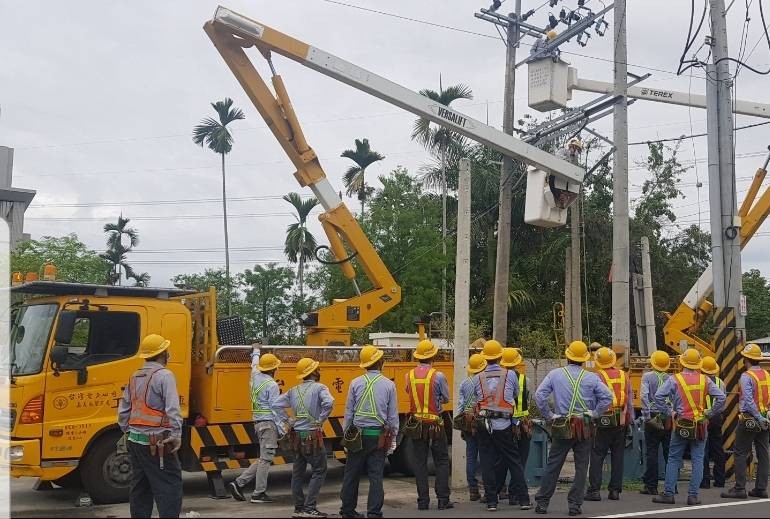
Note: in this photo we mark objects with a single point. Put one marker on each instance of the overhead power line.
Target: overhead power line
(164, 217)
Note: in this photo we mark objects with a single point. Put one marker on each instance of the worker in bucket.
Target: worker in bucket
(428, 391)
(370, 431)
(150, 418)
(657, 420)
(611, 427)
(264, 393)
(687, 392)
(310, 403)
(579, 398)
(753, 425)
(715, 451)
(464, 421)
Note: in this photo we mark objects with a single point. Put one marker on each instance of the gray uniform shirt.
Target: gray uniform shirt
(318, 403)
(161, 395)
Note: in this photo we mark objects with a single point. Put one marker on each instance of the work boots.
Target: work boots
(445, 504)
(758, 493)
(614, 495)
(474, 493)
(666, 499)
(693, 500)
(592, 496)
(734, 493)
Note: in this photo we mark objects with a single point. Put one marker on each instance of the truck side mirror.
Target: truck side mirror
(61, 361)
(59, 356)
(66, 327)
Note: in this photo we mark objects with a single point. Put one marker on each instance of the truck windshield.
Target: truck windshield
(29, 338)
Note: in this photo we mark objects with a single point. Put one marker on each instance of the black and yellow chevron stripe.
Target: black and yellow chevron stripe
(728, 344)
(240, 435)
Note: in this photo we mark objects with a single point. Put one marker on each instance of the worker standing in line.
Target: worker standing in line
(496, 391)
(149, 415)
(310, 403)
(264, 393)
(714, 443)
(579, 397)
(371, 427)
(466, 404)
(612, 427)
(428, 391)
(521, 427)
(687, 392)
(657, 421)
(753, 425)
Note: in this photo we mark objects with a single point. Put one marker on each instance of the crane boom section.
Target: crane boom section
(269, 40)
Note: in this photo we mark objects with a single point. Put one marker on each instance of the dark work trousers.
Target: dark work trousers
(317, 462)
(715, 453)
(654, 439)
(515, 488)
(556, 458)
(151, 484)
(612, 439)
(440, 451)
(495, 446)
(743, 442)
(372, 460)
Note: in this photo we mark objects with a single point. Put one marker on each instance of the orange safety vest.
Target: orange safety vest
(141, 413)
(615, 379)
(761, 389)
(692, 391)
(494, 402)
(420, 383)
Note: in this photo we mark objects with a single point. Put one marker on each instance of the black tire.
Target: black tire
(402, 459)
(69, 481)
(106, 474)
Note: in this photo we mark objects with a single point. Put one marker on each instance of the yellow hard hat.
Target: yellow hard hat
(493, 350)
(511, 358)
(605, 358)
(476, 363)
(425, 350)
(305, 367)
(153, 345)
(660, 360)
(369, 355)
(577, 143)
(551, 35)
(577, 351)
(710, 366)
(752, 351)
(268, 362)
(691, 359)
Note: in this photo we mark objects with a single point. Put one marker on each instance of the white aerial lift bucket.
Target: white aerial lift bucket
(547, 199)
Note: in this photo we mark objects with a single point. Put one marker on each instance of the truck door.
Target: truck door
(105, 343)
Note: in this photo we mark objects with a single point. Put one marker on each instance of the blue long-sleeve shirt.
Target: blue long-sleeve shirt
(747, 402)
(385, 402)
(467, 398)
(651, 381)
(669, 390)
(596, 396)
(510, 392)
(316, 401)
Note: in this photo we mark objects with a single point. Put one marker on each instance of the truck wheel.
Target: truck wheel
(106, 474)
(401, 459)
(71, 480)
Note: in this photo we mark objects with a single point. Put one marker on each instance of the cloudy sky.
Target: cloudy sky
(99, 100)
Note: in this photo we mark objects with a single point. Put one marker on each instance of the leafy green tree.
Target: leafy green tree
(215, 134)
(354, 177)
(300, 243)
(74, 261)
(268, 303)
(216, 278)
(757, 291)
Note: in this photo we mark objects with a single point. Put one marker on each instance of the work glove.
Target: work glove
(392, 447)
(173, 444)
(764, 423)
(591, 413)
(122, 445)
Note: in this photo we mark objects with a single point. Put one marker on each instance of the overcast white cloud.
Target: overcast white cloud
(99, 100)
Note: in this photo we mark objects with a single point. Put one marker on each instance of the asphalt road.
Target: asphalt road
(400, 501)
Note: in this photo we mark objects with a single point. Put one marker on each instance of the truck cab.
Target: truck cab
(73, 348)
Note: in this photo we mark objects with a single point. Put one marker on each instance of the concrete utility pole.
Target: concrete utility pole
(502, 264)
(568, 329)
(649, 309)
(725, 227)
(621, 329)
(576, 309)
(462, 310)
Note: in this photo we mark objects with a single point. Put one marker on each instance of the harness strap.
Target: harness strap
(368, 397)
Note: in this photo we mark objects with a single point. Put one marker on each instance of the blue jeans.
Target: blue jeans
(675, 455)
(471, 460)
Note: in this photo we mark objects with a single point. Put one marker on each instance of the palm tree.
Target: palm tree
(217, 137)
(300, 243)
(141, 280)
(353, 179)
(116, 251)
(440, 140)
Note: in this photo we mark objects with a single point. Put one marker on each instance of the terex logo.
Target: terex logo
(657, 93)
(459, 120)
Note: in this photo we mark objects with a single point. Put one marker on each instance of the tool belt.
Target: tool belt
(286, 442)
(659, 422)
(464, 422)
(307, 443)
(523, 428)
(352, 438)
(423, 427)
(750, 423)
(572, 428)
(691, 430)
(616, 418)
